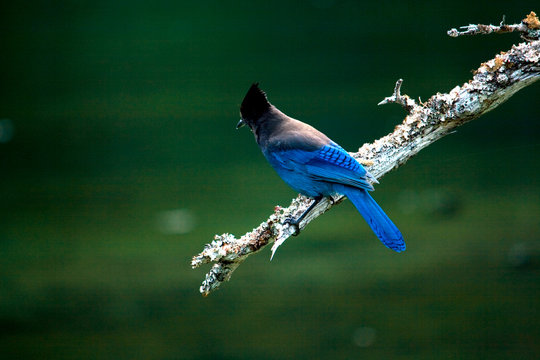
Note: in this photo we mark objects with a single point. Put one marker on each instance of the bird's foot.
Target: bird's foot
(295, 224)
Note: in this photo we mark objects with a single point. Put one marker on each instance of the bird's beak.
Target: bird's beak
(240, 123)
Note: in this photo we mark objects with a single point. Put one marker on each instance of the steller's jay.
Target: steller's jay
(312, 164)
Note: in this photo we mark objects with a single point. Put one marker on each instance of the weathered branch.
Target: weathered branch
(493, 83)
(529, 28)
(396, 98)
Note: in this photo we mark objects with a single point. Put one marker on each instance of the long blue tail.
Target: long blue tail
(379, 222)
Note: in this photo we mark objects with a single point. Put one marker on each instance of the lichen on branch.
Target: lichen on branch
(529, 28)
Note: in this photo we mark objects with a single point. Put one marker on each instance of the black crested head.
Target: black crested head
(254, 105)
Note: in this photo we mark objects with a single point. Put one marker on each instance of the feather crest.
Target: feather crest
(255, 103)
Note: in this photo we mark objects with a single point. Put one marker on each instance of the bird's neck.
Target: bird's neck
(269, 124)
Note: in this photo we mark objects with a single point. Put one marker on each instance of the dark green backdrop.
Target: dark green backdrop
(119, 160)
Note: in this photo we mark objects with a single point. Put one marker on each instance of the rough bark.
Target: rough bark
(493, 83)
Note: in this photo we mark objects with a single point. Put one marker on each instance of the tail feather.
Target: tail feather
(379, 222)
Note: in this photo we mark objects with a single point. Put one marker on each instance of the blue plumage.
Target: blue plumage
(312, 164)
(376, 218)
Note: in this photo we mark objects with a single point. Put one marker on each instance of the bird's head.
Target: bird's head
(254, 106)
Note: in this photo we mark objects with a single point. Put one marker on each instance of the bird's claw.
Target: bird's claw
(294, 224)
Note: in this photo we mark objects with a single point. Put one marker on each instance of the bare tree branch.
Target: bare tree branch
(529, 28)
(493, 83)
(396, 98)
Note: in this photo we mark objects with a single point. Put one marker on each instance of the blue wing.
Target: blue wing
(331, 164)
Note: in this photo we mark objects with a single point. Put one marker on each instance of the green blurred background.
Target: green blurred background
(120, 160)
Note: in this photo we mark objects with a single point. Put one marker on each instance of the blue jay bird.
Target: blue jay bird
(313, 165)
